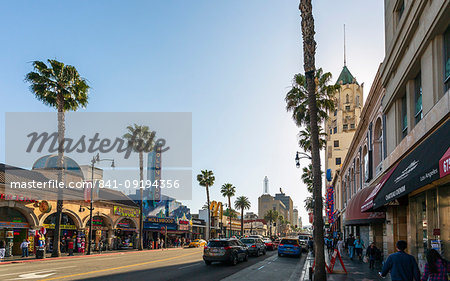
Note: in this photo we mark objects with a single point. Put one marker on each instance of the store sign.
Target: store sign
(125, 225)
(10, 234)
(160, 220)
(8, 224)
(198, 222)
(183, 222)
(62, 226)
(16, 198)
(183, 227)
(444, 164)
(126, 212)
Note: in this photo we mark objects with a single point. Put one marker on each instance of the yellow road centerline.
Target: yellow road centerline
(116, 268)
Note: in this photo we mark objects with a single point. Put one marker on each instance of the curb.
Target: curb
(86, 256)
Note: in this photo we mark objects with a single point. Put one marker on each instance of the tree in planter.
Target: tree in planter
(242, 203)
(206, 178)
(141, 139)
(228, 190)
(59, 86)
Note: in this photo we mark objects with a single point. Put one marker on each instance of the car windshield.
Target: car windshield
(217, 244)
(248, 241)
(303, 237)
(267, 240)
(289, 241)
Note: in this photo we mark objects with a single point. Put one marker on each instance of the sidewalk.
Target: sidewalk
(357, 270)
(48, 256)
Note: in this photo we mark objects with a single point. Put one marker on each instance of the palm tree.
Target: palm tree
(304, 139)
(271, 216)
(314, 91)
(309, 203)
(307, 178)
(206, 178)
(242, 203)
(141, 140)
(297, 98)
(59, 86)
(228, 190)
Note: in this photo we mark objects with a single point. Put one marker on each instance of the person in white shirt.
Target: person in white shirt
(24, 247)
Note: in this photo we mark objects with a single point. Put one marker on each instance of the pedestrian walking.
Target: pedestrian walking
(359, 245)
(162, 243)
(2, 250)
(158, 243)
(402, 266)
(351, 246)
(24, 247)
(436, 268)
(372, 254)
(340, 245)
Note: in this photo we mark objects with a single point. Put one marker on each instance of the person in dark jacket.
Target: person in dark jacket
(403, 267)
(372, 253)
(351, 246)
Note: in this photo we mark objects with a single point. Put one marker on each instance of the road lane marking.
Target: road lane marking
(36, 271)
(198, 263)
(260, 267)
(33, 275)
(116, 268)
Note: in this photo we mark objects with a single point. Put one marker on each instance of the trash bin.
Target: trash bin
(40, 253)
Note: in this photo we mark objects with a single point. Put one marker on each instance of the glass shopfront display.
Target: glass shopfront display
(429, 223)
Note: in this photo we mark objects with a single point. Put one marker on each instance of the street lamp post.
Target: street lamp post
(94, 160)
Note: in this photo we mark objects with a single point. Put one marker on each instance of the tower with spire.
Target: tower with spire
(266, 185)
(341, 124)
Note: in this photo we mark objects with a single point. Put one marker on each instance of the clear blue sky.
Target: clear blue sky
(230, 63)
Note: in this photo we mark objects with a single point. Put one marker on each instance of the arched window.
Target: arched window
(365, 164)
(378, 145)
(358, 175)
(347, 99)
(357, 100)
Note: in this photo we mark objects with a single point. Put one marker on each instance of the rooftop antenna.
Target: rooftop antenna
(345, 63)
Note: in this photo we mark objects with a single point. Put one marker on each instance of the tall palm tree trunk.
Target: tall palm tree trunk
(56, 252)
(309, 51)
(141, 215)
(229, 213)
(242, 222)
(209, 214)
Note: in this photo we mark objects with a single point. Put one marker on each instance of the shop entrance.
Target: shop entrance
(13, 229)
(68, 230)
(125, 234)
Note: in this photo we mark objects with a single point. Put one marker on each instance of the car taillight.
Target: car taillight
(253, 246)
(206, 247)
(296, 246)
(227, 248)
(281, 245)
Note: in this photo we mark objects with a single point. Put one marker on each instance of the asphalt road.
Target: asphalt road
(177, 264)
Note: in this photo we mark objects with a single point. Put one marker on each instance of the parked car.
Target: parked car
(255, 236)
(197, 243)
(289, 246)
(225, 250)
(304, 241)
(255, 246)
(270, 245)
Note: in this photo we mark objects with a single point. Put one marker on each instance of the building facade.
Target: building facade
(342, 123)
(416, 76)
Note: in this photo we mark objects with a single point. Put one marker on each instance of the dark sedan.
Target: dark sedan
(225, 250)
(255, 246)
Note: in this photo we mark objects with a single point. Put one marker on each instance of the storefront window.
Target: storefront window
(428, 223)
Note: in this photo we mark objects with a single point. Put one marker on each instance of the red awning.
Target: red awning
(368, 203)
(353, 214)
